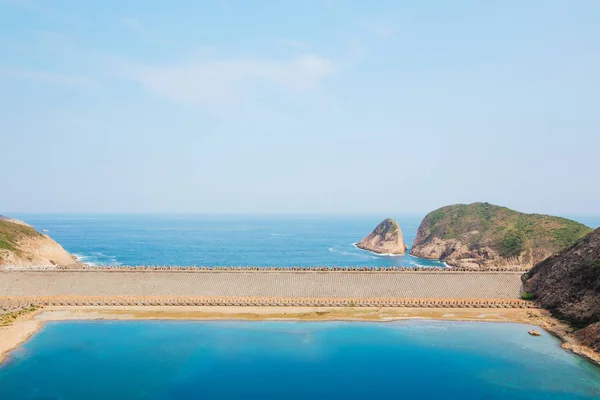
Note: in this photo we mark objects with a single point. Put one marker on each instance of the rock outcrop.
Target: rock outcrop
(481, 235)
(22, 246)
(568, 285)
(385, 239)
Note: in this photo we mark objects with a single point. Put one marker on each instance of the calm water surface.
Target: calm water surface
(301, 240)
(215, 240)
(294, 360)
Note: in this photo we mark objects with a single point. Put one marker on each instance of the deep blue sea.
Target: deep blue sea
(274, 360)
(219, 240)
(423, 360)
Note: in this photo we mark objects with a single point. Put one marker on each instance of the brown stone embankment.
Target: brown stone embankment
(260, 284)
(449, 269)
(9, 303)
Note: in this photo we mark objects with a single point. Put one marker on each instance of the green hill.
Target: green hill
(482, 235)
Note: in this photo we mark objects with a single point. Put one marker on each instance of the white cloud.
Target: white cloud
(207, 82)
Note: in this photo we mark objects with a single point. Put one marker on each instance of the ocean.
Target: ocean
(222, 240)
(415, 359)
(423, 360)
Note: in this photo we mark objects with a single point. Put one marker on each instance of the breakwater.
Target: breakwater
(246, 268)
(9, 303)
(262, 284)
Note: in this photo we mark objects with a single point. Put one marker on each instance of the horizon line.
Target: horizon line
(248, 213)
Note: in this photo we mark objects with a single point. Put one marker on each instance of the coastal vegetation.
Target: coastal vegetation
(568, 285)
(21, 245)
(11, 234)
(512, 244)
(527, 296)
(482, 235)
(8, 318)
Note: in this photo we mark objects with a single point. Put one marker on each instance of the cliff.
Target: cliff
(485, 236)
(386, 238)
(568, 285)
(22, 246)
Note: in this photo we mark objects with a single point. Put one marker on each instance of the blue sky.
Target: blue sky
(301, 107)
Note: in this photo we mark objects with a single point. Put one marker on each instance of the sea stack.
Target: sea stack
(386, 238)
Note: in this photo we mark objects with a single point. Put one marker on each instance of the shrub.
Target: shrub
(512, 244)
(527, 296)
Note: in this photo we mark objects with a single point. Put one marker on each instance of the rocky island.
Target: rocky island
(483, 236)
(568, 285)
(22, 246)
(386, 238)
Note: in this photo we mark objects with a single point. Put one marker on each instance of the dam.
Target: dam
(156, 286)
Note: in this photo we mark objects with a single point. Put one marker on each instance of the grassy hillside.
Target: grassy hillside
(507, 232)
(11, 234)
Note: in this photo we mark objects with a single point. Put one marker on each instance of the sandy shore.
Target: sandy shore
(14, 335)
(25, 326)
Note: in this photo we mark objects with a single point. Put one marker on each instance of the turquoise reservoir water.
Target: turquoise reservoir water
(294, 360)
(212, 240)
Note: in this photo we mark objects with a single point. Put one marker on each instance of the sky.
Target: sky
(316, 106)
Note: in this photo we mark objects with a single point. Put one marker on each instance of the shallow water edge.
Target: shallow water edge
(11, 337)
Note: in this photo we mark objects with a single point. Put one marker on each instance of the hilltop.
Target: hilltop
(386, 238)
(568, 284)
(13, 220)
(483, 235)
(22, 246)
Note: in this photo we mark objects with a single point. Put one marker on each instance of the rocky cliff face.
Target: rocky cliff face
(483, 236)
(385, 239)
(22, 246)
(568, 285)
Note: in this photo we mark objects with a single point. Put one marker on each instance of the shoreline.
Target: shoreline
(24, 327)
(15, 335)
(407, 253)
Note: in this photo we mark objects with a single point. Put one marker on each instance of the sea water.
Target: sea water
(294, 360)
(219, 240)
